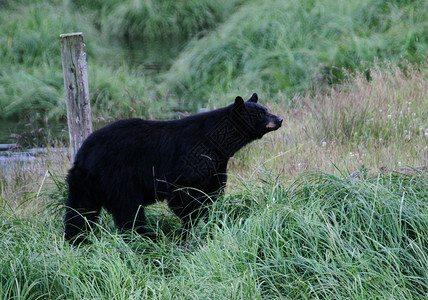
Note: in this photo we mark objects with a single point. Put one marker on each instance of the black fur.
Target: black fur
(133, 163)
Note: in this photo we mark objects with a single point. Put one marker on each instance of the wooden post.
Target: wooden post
(76, 89)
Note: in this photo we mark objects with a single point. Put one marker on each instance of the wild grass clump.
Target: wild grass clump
(24, 92)
(31, 77)
(322, 236)
(30, 33)
(130, 94)
(360, 126)
(149, 20)
(115, 93)
(389, 107)
(290, 46)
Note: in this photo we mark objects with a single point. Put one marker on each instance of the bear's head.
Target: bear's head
(253, 117)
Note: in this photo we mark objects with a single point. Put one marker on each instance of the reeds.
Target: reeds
(376, 125)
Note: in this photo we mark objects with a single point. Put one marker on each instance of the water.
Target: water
(12, 157)
(30, 132)
(6, 131)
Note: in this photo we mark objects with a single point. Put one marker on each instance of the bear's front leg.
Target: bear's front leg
(189, 205)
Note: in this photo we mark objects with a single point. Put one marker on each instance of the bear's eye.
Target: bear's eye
(261, 112)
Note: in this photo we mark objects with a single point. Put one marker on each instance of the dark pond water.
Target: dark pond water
(11, 157)
(7, 129)
(28, 133)
(32, 143)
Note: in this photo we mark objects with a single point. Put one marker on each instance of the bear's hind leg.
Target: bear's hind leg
(82, 208)
(77, 222)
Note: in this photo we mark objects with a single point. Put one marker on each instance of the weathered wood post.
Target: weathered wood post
(76, 89)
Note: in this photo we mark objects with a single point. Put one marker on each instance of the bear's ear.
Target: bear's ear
(239, 104)
(254, 98)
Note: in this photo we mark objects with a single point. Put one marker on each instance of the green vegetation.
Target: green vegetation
(321, 236)
(30, 59)
(165, 19)
(290, 46)
(333, 205)
(379, 125)
(345, 231)
(272, 47)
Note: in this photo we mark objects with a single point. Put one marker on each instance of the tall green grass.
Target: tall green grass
(321, 236)
(165, 19)
(237, 47)
(290, 46)
(31, 77)
(30, 33)
(30, 59)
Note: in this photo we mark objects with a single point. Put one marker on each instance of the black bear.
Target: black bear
(133, 163)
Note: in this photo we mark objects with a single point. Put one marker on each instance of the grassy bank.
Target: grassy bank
(327, 207)
(236, 47)
(321, 237)
(150, 20)
(292, 46)
(30, 60)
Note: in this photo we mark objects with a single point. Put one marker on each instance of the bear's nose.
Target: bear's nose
(280, 120)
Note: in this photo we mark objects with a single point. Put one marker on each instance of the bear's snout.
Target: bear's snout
(274, 123)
